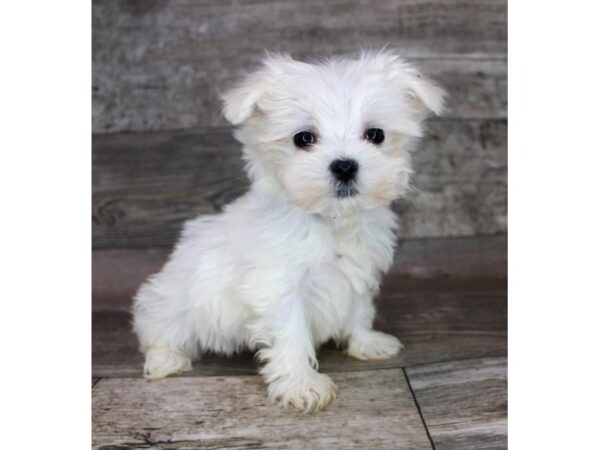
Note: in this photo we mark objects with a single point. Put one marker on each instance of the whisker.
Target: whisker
(418, 197)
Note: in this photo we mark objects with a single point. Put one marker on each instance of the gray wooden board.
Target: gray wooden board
(423, 264)
(435, 325)
(463, 403)
(477, 89)
(146, 185)
(374, 410)
(160, 64)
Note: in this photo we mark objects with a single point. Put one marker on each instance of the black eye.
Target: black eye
(304, 139)
(374, 135)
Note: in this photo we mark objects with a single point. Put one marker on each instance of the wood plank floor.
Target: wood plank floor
(233, 412)
(446, 390)
(463, 402)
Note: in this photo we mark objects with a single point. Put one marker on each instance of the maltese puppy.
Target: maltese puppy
(297, 260)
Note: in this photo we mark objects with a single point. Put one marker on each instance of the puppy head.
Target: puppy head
(333, 136)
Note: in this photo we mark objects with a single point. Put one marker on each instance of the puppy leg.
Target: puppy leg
(364, 342)
(166, 339)
(162, 361)
(291, 363)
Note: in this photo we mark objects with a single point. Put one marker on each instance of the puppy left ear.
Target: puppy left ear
(426, 92)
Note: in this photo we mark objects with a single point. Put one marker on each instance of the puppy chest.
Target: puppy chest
(332, 290)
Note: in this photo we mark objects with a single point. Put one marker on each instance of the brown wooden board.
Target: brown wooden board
(146, 185)
(161, 64)
(463, 403)
(473, 257)
(435, 324)
(423, 264)
(374, 410)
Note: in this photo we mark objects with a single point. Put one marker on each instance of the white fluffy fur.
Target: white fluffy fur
(289, 266)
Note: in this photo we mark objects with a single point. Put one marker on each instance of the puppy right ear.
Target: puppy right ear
(240, 102)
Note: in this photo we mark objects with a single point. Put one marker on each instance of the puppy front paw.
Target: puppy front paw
(307, 392)
(373, 345)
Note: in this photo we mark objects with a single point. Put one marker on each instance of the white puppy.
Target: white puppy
(297, 260)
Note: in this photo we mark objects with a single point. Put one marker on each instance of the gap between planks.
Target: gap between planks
(418, 408)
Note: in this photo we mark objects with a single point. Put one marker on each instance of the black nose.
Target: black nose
(344, 169)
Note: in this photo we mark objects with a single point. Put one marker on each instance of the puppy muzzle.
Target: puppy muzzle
(344, 172)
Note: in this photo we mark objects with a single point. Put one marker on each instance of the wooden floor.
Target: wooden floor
(447, 390)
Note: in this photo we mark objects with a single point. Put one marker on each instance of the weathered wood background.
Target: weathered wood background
(162, 152)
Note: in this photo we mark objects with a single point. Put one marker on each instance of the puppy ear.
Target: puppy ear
(426, 92)
(425, 95)
(239, 102)
(242, 99)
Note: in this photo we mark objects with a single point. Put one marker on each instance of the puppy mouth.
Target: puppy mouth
(345, 190)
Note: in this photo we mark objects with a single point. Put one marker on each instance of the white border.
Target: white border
(45, 164)
(554, 225)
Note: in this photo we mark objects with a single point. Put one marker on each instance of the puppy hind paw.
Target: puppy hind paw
(373, 345)
(164, 361)
(308, 393)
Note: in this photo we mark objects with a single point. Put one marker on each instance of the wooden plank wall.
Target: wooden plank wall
(162, 152)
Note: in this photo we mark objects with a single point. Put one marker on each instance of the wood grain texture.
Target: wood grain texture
(475, 257)
(161, 64)
(422, 264)
(463, 403)
(117, 274)
(145, 186)
(374, 410)
(434, 324)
